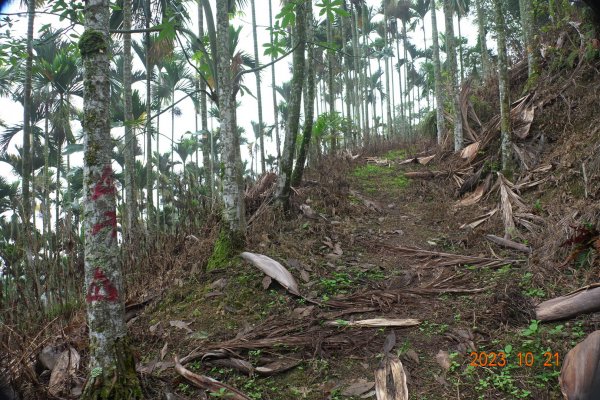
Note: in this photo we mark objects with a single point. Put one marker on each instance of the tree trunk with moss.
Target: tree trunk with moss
(527, 22)
(206, 137)
(309, 105)
(287, 158)
(130, 141)
(438, 84)
(233, 233)
(454, 88)
(504, 89)
(112, 368)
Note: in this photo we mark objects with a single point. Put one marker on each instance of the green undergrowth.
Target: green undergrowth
(375, 177)
(518, 363)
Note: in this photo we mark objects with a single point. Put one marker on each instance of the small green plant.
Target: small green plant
(221, 394)
(184, 388)
(537, 206)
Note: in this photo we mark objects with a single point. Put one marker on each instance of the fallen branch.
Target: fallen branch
(439, 259)
(584, 300)
(210, 384)
(508, 243)
(424, 174)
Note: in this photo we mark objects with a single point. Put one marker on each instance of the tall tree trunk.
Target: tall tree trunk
(149, 182)
(460, 48)
(481, 28)
(406, 91)
(389, 90)
(274, 92)
(130, 141)
(287, 159)
(363, 61)
(258, 92)
(455, 95)
(207, 161)
(308, 103)
(26, 156)
(234, 229)
(347, 83)
(47, 216)
(504, 89)
(172, 131)
(112, 367)
(403, 109)
(330, 88)
(355, 64)
(437, 69)
(528, 22)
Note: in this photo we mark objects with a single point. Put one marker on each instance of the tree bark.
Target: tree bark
(275, 110)
(504, 89)
(130, 141)
(454, 89)
(308, 103)
(437, 68)
(207, 161)
(112, 368)
(485, 57)
(233, 200)
(26, 156)
(149, 181)
(258, 92)
(287, 159)
(528, 22)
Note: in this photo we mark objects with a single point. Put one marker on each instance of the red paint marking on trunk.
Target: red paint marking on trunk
(109, 222)
(101, 288)
(105, 186)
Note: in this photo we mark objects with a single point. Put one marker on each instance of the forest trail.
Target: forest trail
(370, 243)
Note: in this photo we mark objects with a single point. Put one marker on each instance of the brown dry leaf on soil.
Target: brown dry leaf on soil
(64, 370)
(181, 325)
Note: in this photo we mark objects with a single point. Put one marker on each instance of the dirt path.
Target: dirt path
(354, 251)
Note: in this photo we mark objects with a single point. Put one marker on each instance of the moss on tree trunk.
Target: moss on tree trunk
(118, 381)
(228, 245)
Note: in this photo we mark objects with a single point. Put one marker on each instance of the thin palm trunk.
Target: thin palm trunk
(47, 230)
(364, 69)
(207, 160)
(504, 90)
(389, 90)
(258, 91)
(308, 103)
(274, 92)
(460, 49)
(481, 23)
(26, 156)
(455, 95)
(347, 133)
(149, 182)
(438, 84)
(130, 192)
(299, 35)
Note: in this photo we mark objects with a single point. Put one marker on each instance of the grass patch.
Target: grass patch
(394, 155)
(373, 177)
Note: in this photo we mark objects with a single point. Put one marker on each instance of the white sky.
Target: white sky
(12, 112)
